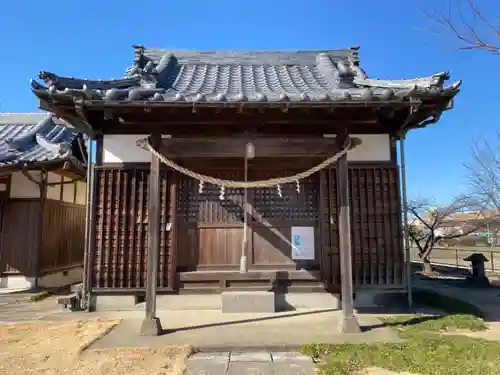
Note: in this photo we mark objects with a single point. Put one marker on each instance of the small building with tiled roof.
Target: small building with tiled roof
(229, 171)
(42, 201)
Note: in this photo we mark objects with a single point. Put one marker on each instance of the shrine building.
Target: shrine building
(267, 172)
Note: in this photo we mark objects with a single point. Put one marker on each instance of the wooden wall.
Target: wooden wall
(19, 238)
(62, 231)
(119, 254)
(63, 235)
(376, 226)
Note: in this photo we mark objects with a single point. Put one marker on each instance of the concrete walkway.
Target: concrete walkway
(17, 307)
(211, 330)
(250, 363)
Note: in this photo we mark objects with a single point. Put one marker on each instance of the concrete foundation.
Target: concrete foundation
(282, 302)
(372, 298)
(248, 302)
(50, 280)
(151, 327)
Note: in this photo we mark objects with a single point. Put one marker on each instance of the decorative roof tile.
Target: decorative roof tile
(28, 138)
(223, 76)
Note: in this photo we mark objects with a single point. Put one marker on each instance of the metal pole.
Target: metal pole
(86, 254)
(244, 259)
(405, 224)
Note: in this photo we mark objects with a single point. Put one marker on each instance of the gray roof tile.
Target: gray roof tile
(28, 138)
(224, 76)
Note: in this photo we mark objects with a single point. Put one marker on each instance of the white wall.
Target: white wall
(54, 192)
(81, 193)
(123, 148)
(22, 187)
(375, 147)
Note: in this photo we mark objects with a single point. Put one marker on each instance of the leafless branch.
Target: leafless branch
(484, 173)
(467, 23)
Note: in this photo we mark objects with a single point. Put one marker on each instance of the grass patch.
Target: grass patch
(40, 296)
(432, 355)
(426, 323)
(423, 351)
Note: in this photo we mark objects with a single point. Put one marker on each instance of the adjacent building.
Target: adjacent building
(42, 201)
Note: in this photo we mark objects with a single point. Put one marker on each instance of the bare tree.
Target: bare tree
(484, 173)
(469, 24)
(432, 223)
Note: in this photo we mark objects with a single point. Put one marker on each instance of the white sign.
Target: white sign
(302, 241)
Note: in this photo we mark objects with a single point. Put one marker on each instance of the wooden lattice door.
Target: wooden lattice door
(210, 226)
(273, 217)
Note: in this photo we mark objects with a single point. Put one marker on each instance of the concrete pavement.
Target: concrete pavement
(211, 330)
(250, 363)
(18, 308)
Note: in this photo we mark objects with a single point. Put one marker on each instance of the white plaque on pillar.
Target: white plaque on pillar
(302, 242)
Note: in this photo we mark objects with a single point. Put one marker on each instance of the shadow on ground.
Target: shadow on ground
(244, 321)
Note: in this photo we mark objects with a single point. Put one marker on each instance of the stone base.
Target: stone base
(349, 325)
(375, 298)
(169, 302)
(151, 327)
(478, 282)
(248, 302)
(54, 279)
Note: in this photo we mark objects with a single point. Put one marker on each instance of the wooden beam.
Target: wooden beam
(291, 130)
(349, 323)
(99, 149)
(234, 147)
(151, 325)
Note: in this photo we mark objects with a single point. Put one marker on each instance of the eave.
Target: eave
(69, 167)
(260, 81)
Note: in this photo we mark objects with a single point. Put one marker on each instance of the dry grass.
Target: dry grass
(137, 361)
(382, 371)
(56, 348)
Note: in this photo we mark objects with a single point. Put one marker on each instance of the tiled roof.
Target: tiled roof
(192, 76)
(34, 137)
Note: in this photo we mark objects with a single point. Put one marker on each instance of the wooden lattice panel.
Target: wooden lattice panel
(121, 225)
(206, 206)
(375, 226)
(292, 205)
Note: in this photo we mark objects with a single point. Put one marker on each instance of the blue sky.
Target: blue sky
(93, 39)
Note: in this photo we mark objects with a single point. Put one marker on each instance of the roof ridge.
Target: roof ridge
(139, 48)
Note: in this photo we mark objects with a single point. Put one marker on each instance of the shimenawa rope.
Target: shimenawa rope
(249, 184)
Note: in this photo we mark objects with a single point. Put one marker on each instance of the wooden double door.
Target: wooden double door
(211, 226)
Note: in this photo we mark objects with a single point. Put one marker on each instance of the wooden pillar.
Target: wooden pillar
(349, 323)
(42, 186)
(151, 325)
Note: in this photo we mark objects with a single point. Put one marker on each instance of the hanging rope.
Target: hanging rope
(273, 182)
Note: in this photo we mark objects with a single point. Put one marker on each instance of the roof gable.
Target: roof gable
(28, 138)
(230, 76)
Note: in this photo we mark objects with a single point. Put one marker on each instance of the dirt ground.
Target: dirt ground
(56, 348)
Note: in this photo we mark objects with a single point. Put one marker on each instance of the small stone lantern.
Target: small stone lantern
(478, 277)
